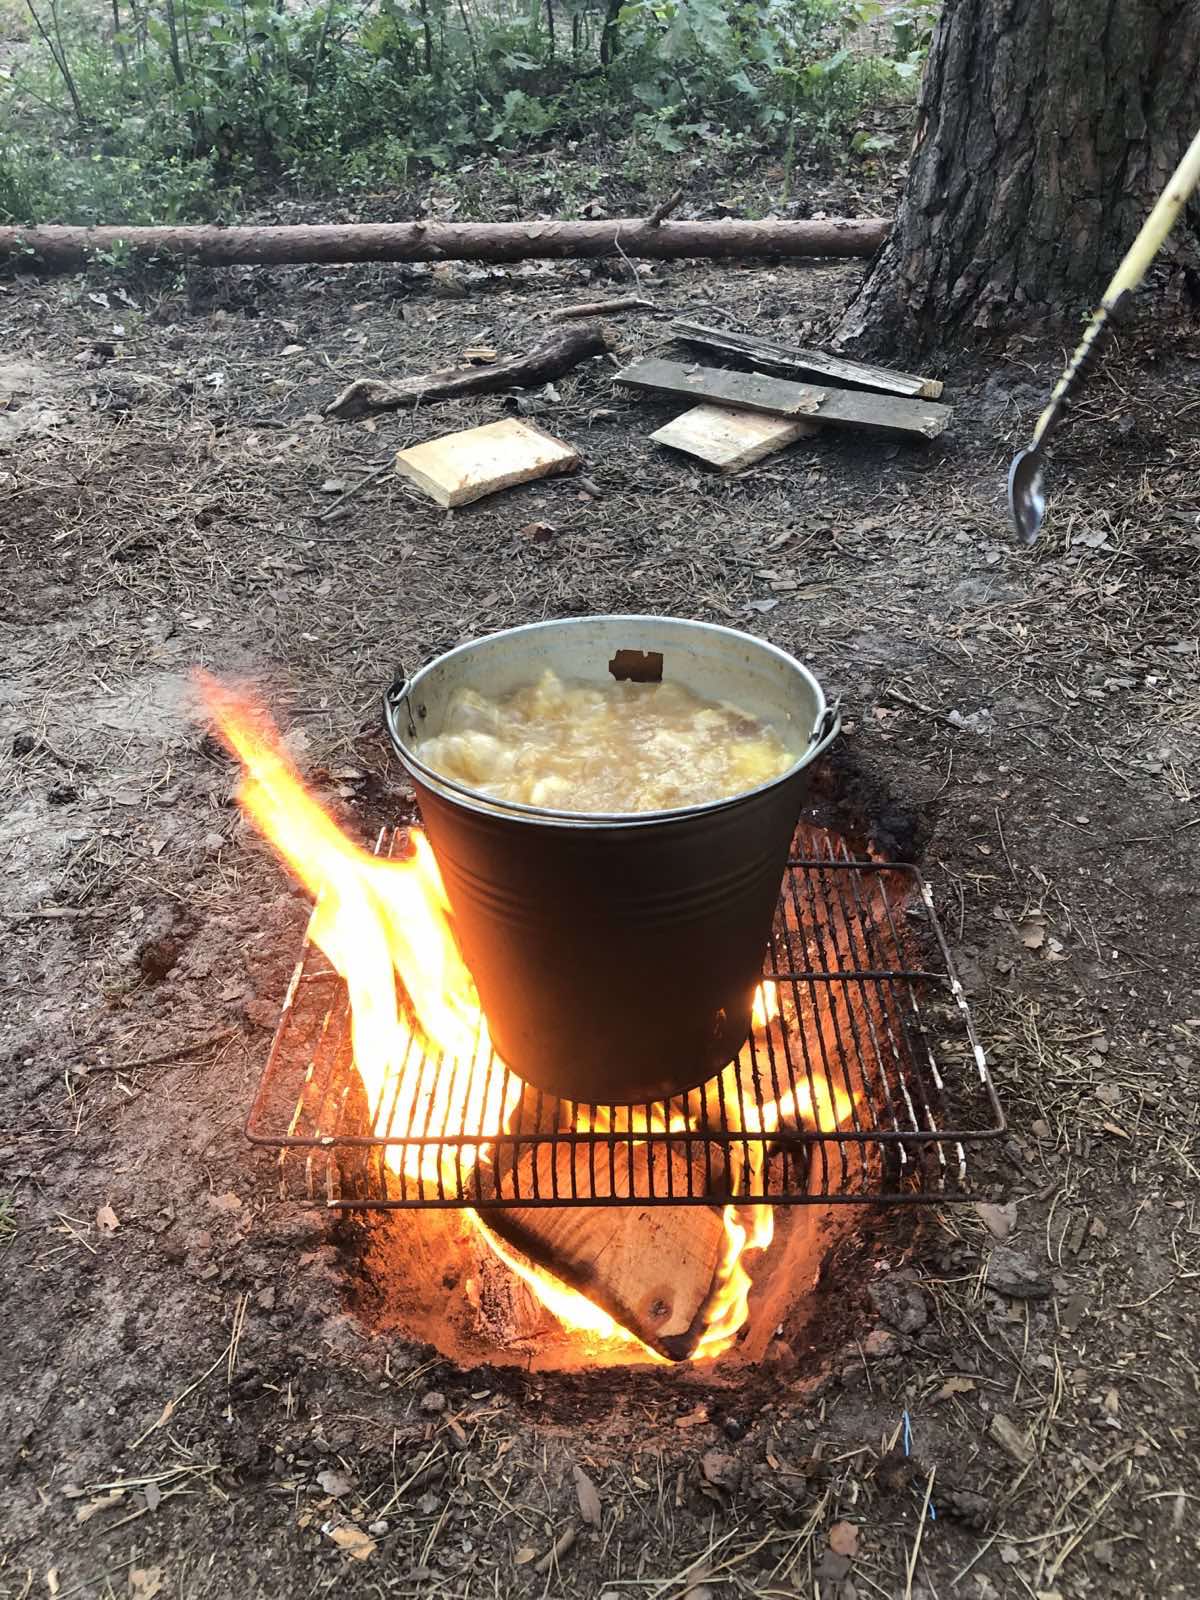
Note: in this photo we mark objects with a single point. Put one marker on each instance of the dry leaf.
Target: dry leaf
(145, 1582)
(352, 1540)
(589, 1498)
(693, 1419)
(106, 1220)
(1109, 1094)
(843, 1539)
(52, 1581)
(335, 1483)
(524, 1556)
(955, 1386)
(292, 350)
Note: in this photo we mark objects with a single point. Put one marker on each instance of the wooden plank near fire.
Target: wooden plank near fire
(651, 1268)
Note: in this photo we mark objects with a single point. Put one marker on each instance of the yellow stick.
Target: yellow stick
(1129, 274)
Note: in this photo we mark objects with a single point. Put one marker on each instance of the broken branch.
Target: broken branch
(542, 364)
(664, 208)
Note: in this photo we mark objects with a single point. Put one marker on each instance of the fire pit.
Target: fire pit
(861, 1080)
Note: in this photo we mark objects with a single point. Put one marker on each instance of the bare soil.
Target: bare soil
(193, 1400)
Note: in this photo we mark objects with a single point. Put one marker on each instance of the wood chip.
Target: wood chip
(459, 468)
(730, 440)
(352, 1540)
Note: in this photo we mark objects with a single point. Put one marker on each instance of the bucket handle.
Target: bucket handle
(827, 730)
(394, 697)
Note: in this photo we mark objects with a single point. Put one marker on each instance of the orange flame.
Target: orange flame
(376, 919)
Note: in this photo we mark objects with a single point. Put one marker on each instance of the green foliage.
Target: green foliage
(184, 107)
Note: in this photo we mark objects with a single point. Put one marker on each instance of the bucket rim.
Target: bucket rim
(826, 726)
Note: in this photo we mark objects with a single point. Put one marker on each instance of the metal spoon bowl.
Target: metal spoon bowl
(1026, 494)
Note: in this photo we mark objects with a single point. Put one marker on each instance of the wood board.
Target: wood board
(730, 440)
(650, 1267)
(458, 468)
(838, 408)
(791, 360)
(743, 391)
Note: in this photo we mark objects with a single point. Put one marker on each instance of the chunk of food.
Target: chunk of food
(626, 747)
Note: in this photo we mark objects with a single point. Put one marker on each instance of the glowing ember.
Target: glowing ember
(377, 920)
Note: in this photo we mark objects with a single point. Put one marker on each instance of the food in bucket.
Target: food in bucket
(621, 747)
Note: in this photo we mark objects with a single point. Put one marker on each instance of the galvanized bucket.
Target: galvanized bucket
(616, 955)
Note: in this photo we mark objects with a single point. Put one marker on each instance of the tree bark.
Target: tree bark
(1045, 131)
(59, 249)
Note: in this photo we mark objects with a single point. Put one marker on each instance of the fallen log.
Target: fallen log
(63, 249)
(542, 364)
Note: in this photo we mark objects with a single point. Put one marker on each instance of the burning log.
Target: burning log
(64, 249)
(652, 1269)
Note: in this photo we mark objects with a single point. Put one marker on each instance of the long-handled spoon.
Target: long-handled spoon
(1026, 493)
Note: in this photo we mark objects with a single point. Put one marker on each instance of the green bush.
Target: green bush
(186, 106)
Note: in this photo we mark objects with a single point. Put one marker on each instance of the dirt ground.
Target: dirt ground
(189, 1405)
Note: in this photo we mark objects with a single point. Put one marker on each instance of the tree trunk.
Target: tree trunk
(62, 249)
(1045, 131)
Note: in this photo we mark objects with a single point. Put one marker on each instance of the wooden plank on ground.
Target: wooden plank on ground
(838, 408)
(772, 356)
(458, 468)
(745, 391)
(730, 440)
(650, 1267)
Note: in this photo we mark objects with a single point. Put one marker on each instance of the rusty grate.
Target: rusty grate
(872, 1062)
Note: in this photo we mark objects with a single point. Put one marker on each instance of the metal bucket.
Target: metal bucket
(616, 956)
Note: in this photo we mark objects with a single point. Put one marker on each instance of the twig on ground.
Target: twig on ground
(356, 488)
(166, 1058)
(604, 308)
(916, 1549)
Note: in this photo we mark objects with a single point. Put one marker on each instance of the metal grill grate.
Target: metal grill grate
(869, 1084)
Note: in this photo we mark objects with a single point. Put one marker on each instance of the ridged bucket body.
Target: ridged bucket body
(616, 956)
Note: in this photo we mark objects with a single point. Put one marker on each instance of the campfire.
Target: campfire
(639, 1229)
